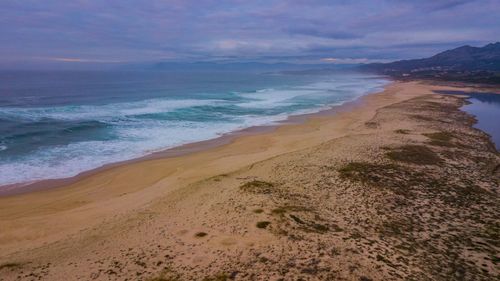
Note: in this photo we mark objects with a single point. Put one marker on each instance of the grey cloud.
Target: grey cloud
(133, 30)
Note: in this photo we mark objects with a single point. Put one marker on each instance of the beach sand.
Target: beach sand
(397, 185)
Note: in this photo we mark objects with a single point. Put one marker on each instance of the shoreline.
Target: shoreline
(124, 190)
(182, 150)
(348, 182)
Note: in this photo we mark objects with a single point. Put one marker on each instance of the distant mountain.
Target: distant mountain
(465, 58)
(466, 63)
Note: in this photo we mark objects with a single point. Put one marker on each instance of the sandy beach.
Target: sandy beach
(379, 189)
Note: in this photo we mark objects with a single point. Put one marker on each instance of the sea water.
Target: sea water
(57, 124)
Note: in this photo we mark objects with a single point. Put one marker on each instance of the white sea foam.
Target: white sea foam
(102, 112)
(271, 98)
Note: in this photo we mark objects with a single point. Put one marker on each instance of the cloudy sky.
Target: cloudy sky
(335, 31)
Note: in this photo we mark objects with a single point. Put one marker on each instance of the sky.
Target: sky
(298, 31)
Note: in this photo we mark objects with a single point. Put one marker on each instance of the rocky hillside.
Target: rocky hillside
(466, 63)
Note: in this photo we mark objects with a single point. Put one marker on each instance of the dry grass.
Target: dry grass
(290, 208)
(258, 211)
(257, 186)
(367, 172)
(263, 224)
(10, 265)
(440, 138)
(402, 131)
(414, 154)
(218, 277)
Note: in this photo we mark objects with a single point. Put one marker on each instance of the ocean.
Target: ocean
(57, 124)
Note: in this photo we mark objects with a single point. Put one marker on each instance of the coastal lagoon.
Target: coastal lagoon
(59, 124)
(485, 107)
